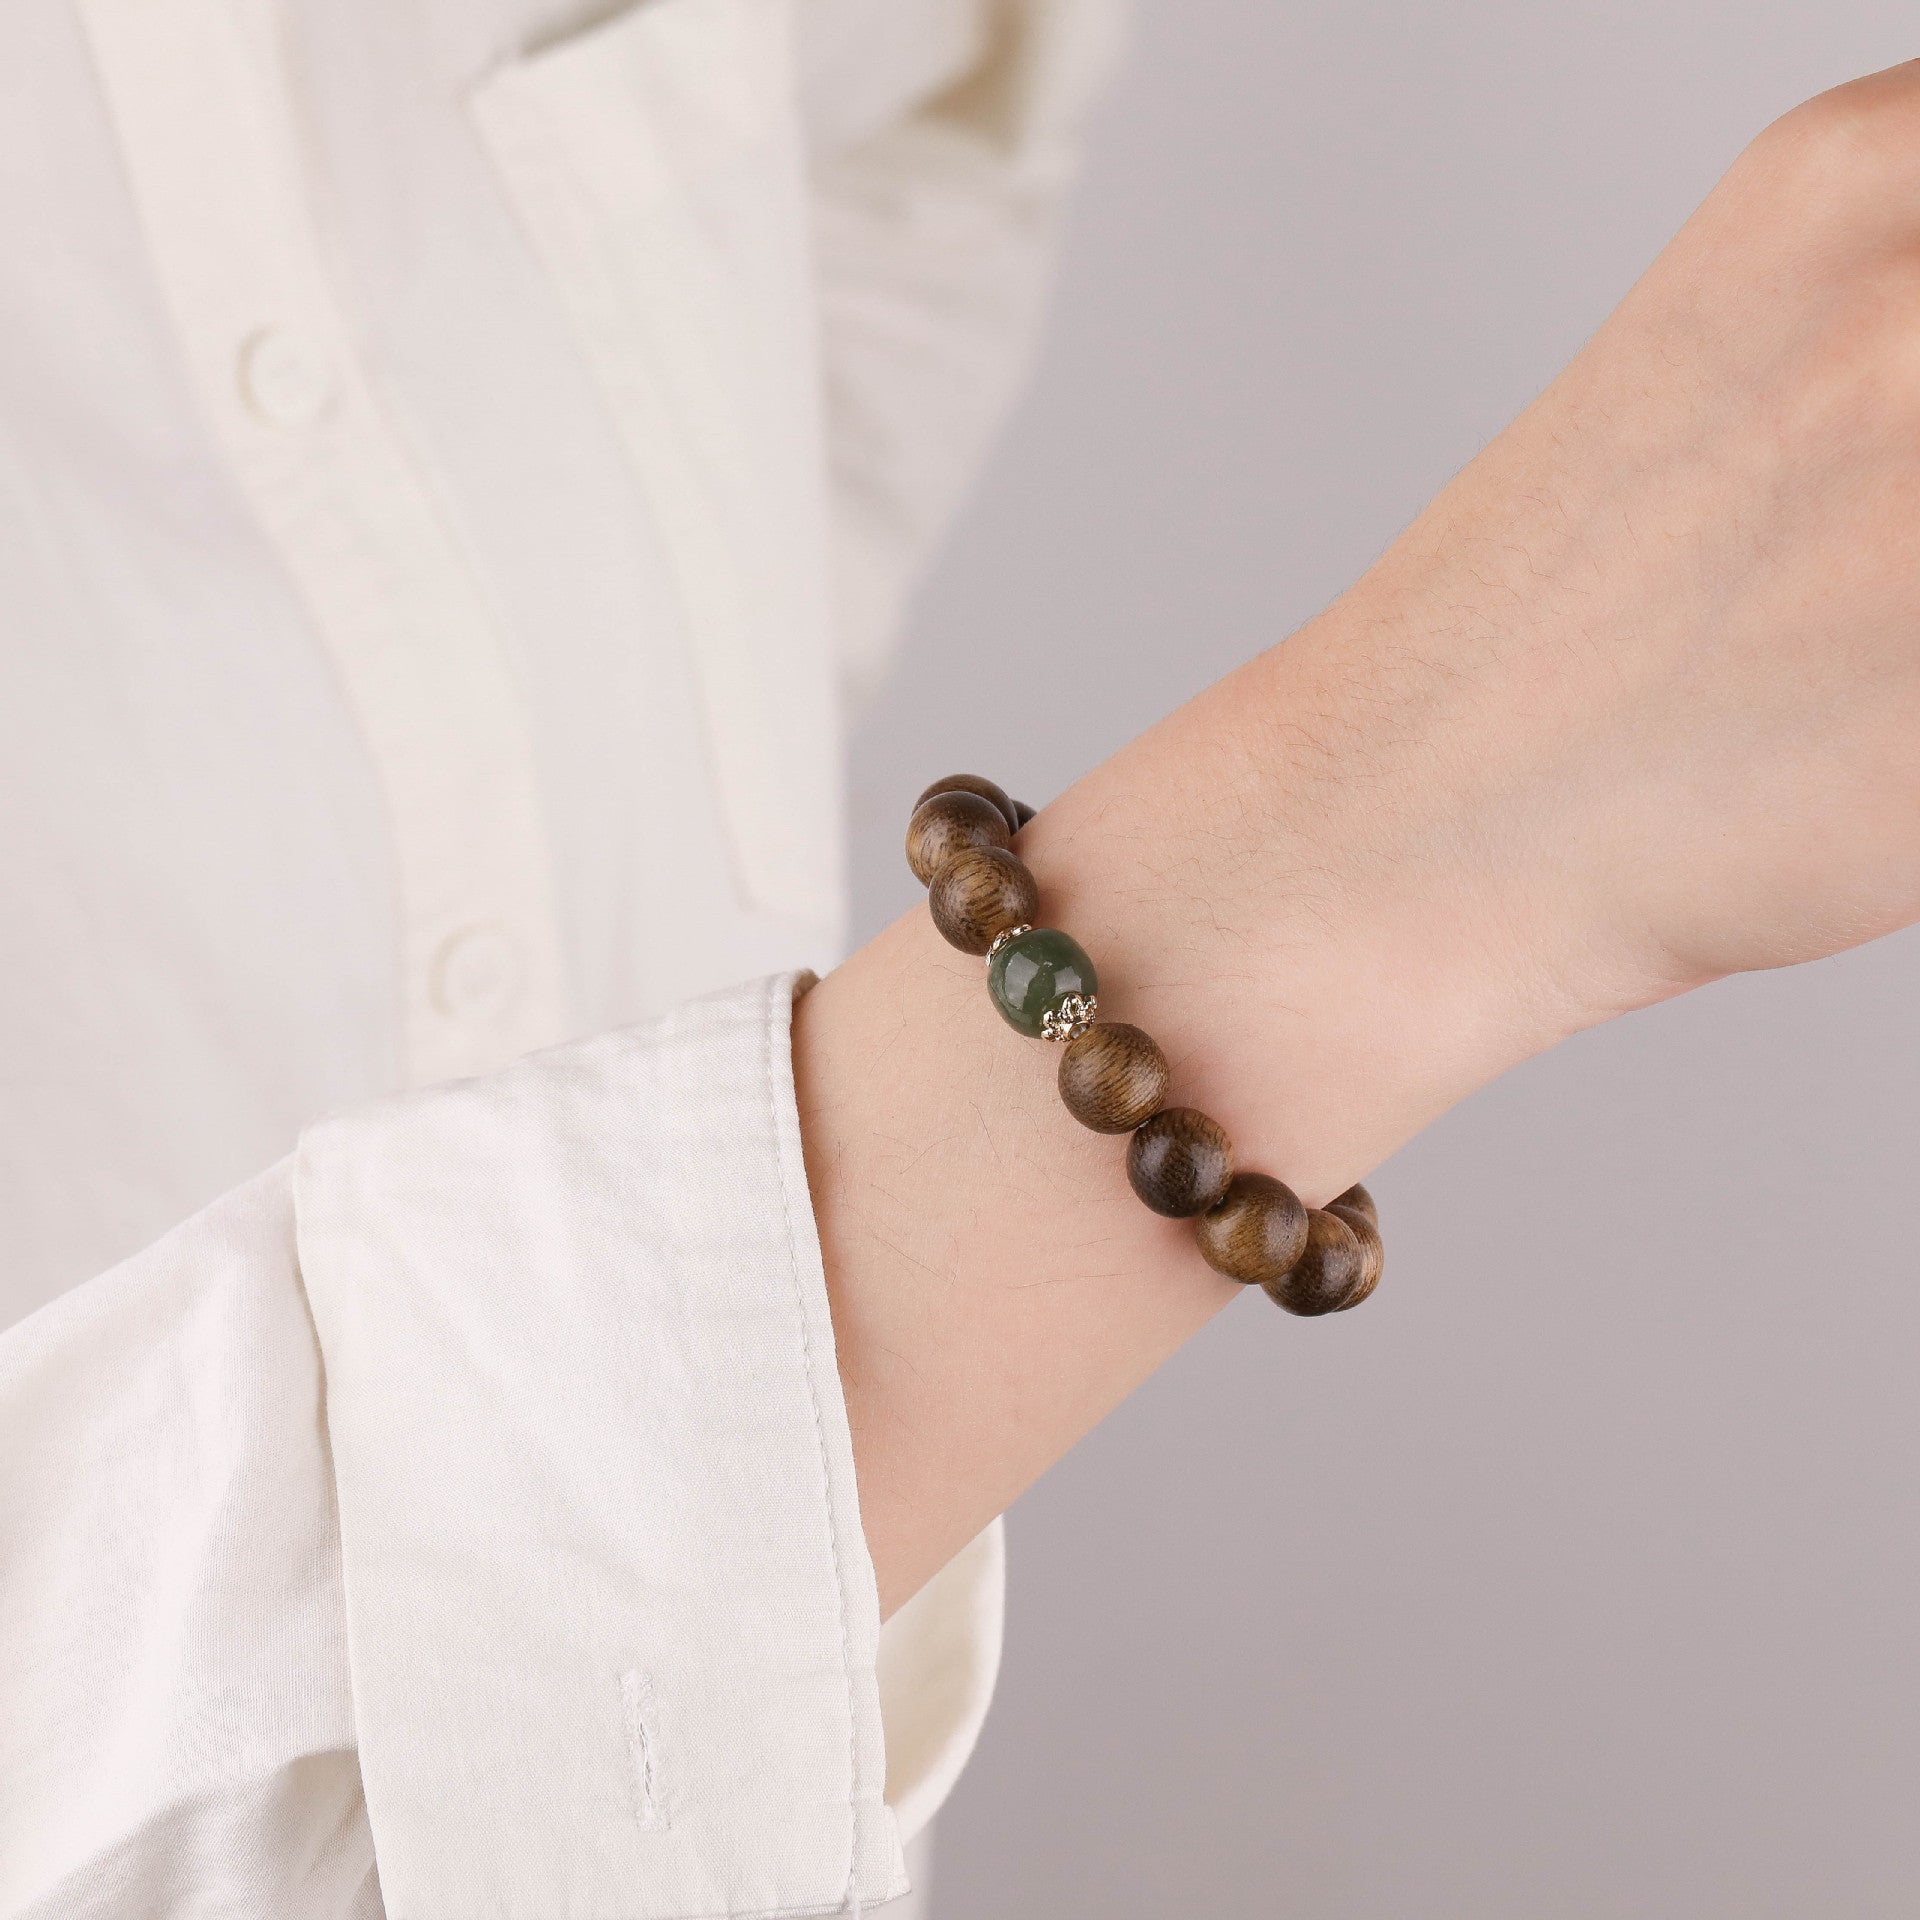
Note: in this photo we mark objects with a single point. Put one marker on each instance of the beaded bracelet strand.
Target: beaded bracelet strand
(1114, 1077)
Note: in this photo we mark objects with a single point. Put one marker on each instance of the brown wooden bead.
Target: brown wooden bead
(985, 789)
(1022, 813)
(940, 827)
(979, 892)
(1180, 1162)
(1328, 1272)
(1257, 1234)
(1372, 1250)
(1113, 1077)
(1360, 1200)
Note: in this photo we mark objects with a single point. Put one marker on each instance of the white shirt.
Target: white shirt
(456, 456)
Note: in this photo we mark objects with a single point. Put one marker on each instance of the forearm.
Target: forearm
(1275, 883)
(1631, 706)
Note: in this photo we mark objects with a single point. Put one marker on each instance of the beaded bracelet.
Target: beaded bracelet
(1114, 1077)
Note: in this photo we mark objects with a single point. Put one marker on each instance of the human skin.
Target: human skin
(1633, 705)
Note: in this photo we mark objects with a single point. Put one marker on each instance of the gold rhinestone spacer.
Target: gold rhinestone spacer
(1071, 1018)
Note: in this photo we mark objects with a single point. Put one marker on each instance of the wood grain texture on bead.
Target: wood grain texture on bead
(1356, 1208)
(942, 826)
(978, 893)
(1113, 1077)
(1256, 1233)
(1180, 1162)
(1372, 1250)
(1329, 1271)
(1359, 1200)
(995, 796)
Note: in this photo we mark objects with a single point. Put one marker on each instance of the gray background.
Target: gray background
(1577, 1576)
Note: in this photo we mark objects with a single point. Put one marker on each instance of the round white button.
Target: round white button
(477, 974)
(285, 378)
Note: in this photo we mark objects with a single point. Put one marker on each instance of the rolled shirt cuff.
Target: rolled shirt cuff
(612, 1624)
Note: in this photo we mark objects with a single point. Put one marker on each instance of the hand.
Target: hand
(1633, 705)
(1660, 643)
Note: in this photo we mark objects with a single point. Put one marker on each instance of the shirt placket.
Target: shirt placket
(199, 102)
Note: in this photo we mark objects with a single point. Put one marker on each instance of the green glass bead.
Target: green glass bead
(1033, 972)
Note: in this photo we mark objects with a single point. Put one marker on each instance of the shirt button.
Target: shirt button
(284, 378)
(477, 974)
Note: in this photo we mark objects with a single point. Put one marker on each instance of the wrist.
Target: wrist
(1317, 911)
(1281, 905)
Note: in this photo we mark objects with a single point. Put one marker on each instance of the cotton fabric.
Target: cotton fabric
(569, 1614)
(460, 463)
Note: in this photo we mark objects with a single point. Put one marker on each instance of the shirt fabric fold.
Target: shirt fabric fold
(460, 463)
(473, 1493)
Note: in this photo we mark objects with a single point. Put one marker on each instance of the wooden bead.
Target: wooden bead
(980, 892)
(1113, 1077)
(984, 789)
(1180, 1162)
(1329, 1271)
(940, 827)
(1356, 1208)
(1257, 1234)
(1022, 813)
(1360, 1200)
(1372, 1251)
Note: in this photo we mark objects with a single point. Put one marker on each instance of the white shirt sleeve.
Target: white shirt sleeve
(936, 226)
(460, 1520)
